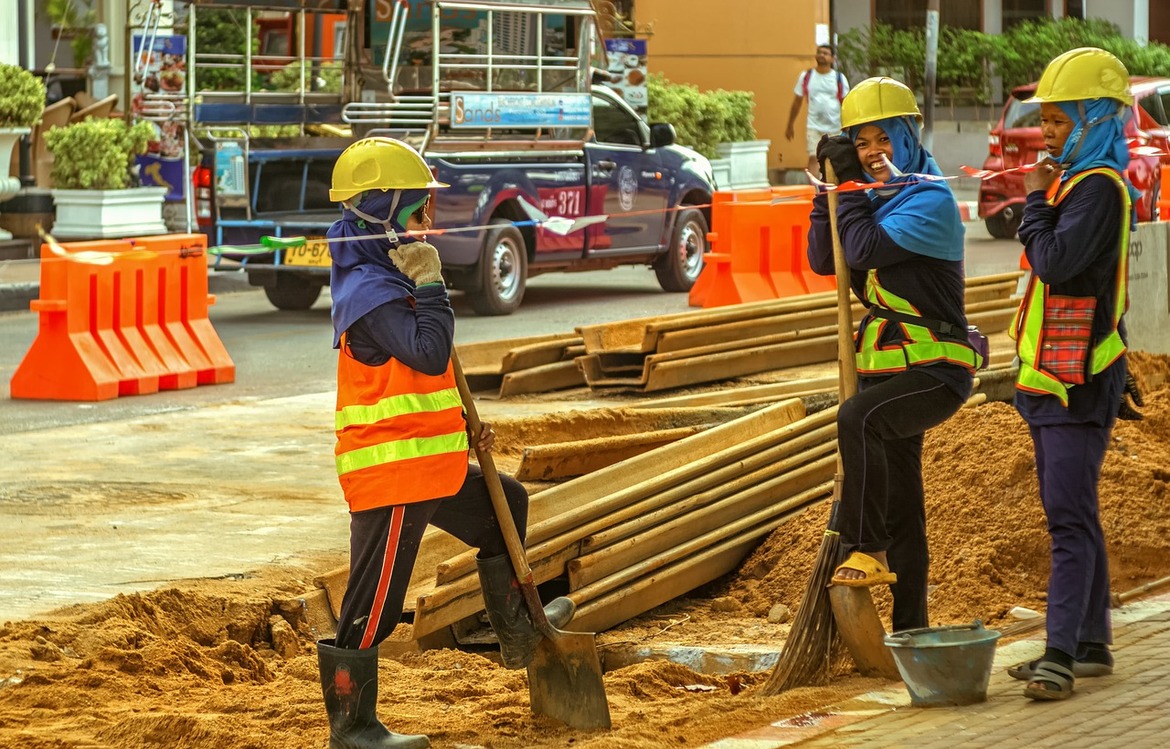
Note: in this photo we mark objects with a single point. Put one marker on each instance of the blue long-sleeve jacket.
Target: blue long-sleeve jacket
(1074, 248)
(935, 287)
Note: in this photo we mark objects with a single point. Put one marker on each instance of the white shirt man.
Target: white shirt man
(824, 87)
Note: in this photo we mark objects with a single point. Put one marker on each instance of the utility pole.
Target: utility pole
(931, 67)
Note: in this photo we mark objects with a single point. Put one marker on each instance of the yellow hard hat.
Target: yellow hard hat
(876, 99)
(379, 164)
(1084, 73)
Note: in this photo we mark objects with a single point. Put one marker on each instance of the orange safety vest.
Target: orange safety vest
(920, 346)
(1027, 328)
(401, 434)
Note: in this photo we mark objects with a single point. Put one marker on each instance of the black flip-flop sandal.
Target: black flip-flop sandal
(1048, 675)
(1024, 671)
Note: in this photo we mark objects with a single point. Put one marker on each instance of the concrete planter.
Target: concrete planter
(749, 163)
(9, 186)
(721, 169)
(109, 214)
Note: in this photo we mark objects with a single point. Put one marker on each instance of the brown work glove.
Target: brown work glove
(419, 261)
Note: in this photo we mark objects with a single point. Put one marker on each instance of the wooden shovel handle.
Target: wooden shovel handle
(846, 363)
(500, 502)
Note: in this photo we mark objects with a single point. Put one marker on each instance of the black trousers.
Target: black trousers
(384, 543)
(882, 508)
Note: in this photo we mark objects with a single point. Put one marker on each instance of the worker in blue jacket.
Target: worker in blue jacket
(903, 242)
(1070, 339)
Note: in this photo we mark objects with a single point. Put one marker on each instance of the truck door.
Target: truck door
(627, 181)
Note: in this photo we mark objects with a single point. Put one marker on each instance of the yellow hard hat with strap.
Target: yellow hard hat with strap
(1084, 73)
(877, 99)
(379, 164)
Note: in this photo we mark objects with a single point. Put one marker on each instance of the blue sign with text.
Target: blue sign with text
(518, 110)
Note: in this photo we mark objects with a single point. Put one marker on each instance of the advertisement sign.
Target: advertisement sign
(627, 71)
(161, 74)
(518, 110)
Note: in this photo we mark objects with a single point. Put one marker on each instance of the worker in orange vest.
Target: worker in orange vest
(402, 441)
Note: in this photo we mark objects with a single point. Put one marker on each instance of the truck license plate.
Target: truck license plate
(314, 253)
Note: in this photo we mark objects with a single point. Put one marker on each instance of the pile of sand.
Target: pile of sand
(196, 665)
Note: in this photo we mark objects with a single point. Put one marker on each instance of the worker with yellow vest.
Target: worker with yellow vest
(402, 442)
(903, 242)
(1070, 338)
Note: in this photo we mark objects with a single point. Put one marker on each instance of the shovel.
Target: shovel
(856, 617)
(564, 678)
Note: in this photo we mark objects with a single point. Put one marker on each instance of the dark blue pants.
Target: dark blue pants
(384, 543)
(1068, 465)
(882, 507)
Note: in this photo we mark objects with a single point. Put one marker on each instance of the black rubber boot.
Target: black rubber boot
(349, 681)
(508, 614)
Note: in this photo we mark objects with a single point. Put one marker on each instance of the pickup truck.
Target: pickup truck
(655, 196)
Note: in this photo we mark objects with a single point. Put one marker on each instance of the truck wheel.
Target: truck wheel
(1003, 226)
(502, 272)
(680, 267)
(292, 292)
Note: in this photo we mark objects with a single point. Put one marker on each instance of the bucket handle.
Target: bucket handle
(907, 634)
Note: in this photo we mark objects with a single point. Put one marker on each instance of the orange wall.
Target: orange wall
(739, 44)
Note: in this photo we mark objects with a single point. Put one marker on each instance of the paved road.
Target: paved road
(288, 353)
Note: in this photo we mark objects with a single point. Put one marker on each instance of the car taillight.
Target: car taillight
(993, 145)
(201, 181)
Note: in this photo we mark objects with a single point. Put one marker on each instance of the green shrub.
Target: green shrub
(97, 154)
(967, 60)
(701, 120)
(22, 97)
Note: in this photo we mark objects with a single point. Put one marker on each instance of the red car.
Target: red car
(1015, 141)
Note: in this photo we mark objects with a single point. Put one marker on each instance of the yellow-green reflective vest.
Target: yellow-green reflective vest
(1028, 325)
(920, 346)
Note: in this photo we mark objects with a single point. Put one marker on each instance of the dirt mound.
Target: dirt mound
(213, 663)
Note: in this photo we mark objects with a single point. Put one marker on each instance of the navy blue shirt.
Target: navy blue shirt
(1074, 248)
(935, 287)
(418, 332)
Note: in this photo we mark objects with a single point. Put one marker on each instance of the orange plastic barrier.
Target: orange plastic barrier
(758, 248)
(184, 309)
(134, 326)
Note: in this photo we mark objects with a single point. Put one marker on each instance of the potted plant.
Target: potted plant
(22, 99)
(96, 192)
(718, 124)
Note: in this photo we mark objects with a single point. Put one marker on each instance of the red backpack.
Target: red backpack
(840, 84)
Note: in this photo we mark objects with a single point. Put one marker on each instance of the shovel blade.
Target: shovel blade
(565, 683)
(862, 631)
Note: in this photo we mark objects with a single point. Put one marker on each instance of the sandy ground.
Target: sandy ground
(212, 662)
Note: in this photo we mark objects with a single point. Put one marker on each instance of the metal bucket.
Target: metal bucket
(945, 665)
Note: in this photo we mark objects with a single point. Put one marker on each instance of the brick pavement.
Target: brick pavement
(1129, 709)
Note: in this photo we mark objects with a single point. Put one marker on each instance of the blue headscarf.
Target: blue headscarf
(363, 277)
(922, 216)
(1097, 139)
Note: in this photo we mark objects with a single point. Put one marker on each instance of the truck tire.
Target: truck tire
(1002, 226)
(292, 292)
(680, 266)
(503, 271)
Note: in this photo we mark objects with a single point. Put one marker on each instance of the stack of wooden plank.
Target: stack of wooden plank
(654, 354)
(531, 364)
(641, 532)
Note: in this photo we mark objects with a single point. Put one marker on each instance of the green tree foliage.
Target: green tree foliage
(327, 77)
(22, 97)
(701, 119)
(968, 59)
(97, 154)
(224, 31)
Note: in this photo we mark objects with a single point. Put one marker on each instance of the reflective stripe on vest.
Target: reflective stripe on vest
(1027, 327)
(920, 347)
(401, 435)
